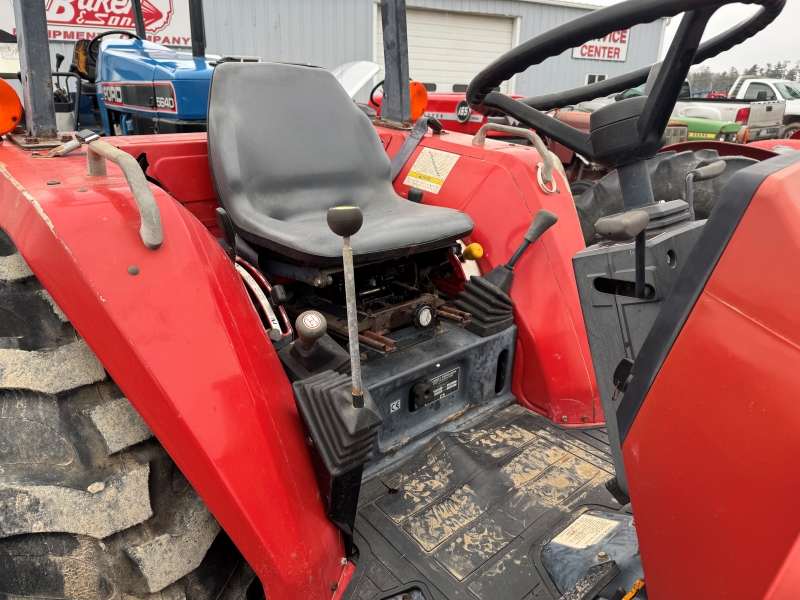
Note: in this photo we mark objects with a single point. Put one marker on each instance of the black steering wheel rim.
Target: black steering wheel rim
(653, 113)
(93, 44)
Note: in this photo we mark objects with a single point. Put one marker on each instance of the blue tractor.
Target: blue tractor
(137, 87)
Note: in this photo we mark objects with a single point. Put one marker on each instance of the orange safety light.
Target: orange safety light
(743, 135)
(419, 100)
(10, 108)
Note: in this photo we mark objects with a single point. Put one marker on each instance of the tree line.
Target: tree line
(702, 78)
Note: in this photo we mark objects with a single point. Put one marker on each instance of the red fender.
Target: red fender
(185, 345)
(497, 186)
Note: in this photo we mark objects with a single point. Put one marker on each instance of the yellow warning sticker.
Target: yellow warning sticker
(430, 170)
(585, 531)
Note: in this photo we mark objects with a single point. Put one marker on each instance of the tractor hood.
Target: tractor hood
(707, 129)
(147, 78)
(136, 60)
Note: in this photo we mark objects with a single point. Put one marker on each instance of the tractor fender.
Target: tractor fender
(176, 330)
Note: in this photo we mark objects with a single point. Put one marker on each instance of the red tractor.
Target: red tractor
(305, 356)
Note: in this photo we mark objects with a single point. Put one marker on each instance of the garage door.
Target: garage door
(448, 49)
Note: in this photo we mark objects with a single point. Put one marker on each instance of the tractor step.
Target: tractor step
(469, 515)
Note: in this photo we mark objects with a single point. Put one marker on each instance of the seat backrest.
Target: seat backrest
(287, 142)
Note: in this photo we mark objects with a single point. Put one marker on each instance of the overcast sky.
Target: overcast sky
(778, 42)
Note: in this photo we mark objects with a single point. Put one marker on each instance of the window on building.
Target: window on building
(461, 88)
(594, 78)
(759, 91)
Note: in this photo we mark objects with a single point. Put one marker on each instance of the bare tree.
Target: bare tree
(704, 79)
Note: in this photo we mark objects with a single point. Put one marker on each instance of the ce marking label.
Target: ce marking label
(394, 406)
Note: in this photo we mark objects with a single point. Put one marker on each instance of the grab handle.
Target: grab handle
(100, 151)
(547, 171)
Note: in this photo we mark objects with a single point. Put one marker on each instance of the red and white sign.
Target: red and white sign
(612, 47)
(166, 21)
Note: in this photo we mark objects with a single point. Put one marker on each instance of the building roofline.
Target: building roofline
(584, 4)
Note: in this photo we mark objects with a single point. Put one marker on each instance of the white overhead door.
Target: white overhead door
(449, 48)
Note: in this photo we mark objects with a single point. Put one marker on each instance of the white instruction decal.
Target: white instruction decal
(585, 531)
(9, 51)
(430, 170)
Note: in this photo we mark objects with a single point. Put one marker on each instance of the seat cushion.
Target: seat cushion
(286, 143)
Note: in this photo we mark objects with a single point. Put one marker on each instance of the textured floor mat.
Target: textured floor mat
(467, 517)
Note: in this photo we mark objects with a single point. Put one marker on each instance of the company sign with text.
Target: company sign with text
(612, 47)
(166, 21)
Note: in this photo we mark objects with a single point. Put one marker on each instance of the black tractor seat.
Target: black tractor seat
(286, 143)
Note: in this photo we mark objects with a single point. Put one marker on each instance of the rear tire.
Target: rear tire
(91, 505)
(580, 186)
(789, 130)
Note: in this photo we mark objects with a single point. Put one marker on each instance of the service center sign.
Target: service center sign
(166, 21)
(612, 47)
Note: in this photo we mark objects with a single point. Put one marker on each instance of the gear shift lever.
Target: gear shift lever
(345, 221)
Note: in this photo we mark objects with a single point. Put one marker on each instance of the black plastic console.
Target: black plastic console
(440, 384)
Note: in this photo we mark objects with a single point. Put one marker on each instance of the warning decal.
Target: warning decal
(585, 531)
(430, 170)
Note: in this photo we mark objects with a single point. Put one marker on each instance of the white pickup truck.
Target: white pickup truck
(761, 110)
(751, 87)
(763, 118)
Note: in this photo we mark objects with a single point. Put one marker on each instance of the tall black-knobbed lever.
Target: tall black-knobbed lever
(486, 298)
(339, 416)
(346, 221)
(627, 226)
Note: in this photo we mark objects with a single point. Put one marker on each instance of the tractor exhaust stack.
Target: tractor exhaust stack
(138, 19)
(198, 28)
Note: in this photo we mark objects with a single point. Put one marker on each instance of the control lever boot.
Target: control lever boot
(486, 298)
(314, 351)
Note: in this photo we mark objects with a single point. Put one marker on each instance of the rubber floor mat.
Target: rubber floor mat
(466, 518)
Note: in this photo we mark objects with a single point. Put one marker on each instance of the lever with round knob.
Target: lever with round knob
(346, 221)
(310, 326)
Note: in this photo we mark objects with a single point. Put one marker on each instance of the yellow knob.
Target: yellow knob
(473, 252)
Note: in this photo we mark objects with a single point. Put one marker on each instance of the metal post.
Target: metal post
(138, 19)
(352, 322)
(198, 28)
(34, 60)
(397, 104)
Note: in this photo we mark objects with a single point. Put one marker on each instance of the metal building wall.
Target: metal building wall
(331, 32)
(562, 72)
(325, 33)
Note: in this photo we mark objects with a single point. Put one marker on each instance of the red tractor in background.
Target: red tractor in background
(310, 356)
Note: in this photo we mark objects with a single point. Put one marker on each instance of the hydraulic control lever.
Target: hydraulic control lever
(711, 171)
(503, 275)
(623, 227)
(345, 221)
(486, 298)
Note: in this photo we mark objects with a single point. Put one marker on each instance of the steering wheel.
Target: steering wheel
(92, 49)
(372, 94)
(629, 131)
